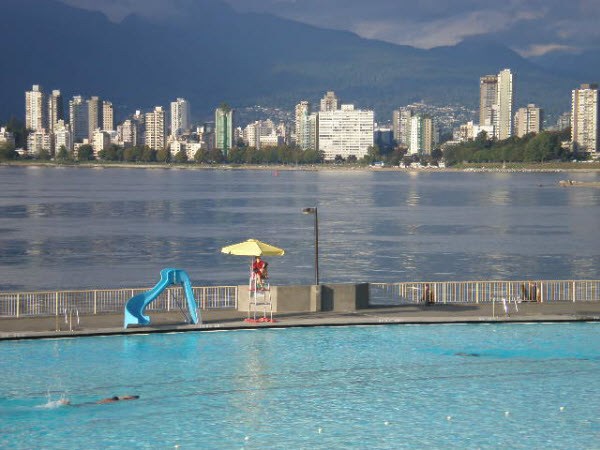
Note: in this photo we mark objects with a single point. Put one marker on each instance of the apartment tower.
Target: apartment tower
(155, 129)
(584, 119)
(35, 109)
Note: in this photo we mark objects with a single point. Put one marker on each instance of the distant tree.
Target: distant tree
(42, 154)
(17, 128)
(163, 156)
(7, 152)
(201, 156)
(437, 154)
(181, 157)
(338, 159)
(147, 154)
(236, 155)
(352, 159)
(373, 154)
(63, 154)
(215, 156)
(111, 153)
(85, 153)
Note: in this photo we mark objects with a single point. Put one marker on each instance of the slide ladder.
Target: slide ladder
(135, 306)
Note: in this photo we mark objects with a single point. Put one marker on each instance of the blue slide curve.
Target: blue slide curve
(134, 308)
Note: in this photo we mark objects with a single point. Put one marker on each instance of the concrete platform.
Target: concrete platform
(111, 324)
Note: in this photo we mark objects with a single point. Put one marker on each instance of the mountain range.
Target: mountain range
(213, 54)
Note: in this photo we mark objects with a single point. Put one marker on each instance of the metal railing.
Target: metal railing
(484, 291)
(103, 301)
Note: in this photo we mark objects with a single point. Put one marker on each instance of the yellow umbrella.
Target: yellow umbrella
(253, 247)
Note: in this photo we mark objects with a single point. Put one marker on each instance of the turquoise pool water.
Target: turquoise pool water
(524, 386)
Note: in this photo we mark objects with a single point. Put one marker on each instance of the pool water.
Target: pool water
(473, 386)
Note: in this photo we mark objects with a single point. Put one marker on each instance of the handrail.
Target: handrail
(485, 291)
(103, 301)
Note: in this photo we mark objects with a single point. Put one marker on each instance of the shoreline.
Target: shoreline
(231, 320)
(534, 168)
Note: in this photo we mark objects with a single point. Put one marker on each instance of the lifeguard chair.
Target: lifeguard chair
(259, 295)
(259, 290)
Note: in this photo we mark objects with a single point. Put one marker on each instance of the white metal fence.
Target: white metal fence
(484, 291)
(102, 301)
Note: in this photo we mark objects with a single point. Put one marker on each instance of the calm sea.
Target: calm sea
(71, 228)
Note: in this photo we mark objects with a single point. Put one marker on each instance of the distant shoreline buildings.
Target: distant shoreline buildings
(337, 130)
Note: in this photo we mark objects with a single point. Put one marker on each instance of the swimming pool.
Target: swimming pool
(527, 386)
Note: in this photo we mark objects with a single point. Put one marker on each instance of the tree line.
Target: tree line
(545, 146)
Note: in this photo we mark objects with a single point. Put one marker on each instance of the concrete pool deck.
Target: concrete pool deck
(111, 324)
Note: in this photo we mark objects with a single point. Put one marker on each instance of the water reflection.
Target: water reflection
(82, 228)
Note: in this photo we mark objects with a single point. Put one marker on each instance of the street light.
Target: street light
(315, 213)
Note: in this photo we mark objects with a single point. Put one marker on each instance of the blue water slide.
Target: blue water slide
(135, 306)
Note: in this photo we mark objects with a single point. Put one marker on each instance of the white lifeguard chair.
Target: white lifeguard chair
(259, 291)
(259, 297)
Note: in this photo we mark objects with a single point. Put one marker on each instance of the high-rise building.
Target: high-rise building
(423, 135)
(39, 140)
(330, 102)
(302, 125)
(139, 120)
(94, 115)
(584, 119)
(156, 129)
(504, 101)
(100, 140)
(528, 120)
(79, 119)
(401, 125)
(108, 116)
(35, 109)
(224, 129)
(55, 109)
(180, 117)
(488, 91)
(63, 136)
(345, 132)
(127, 134)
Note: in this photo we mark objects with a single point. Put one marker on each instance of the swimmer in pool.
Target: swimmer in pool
(116, 398)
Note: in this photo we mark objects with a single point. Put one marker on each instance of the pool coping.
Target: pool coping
(399, 315)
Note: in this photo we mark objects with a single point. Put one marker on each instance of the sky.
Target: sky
(531, 27)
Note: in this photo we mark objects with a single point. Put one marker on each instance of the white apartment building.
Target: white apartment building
(423, 135)
(180, 117)
(6, 137)
(100, 140)
(584, 119)
(504, 102)
(528, 120)
(55, 109)
(127, 134)
(155, 129)
(345, 132)
(78, 113)
(108, 116)
(254, 132)
(63, 136)
(35, 109)
(40, 140)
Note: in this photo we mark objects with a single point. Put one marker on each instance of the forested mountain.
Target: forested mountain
(213, 54)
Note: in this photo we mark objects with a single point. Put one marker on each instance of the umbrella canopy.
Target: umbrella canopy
(253, 247)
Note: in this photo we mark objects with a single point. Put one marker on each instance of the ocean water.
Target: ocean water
(79, 228)
(428, 386)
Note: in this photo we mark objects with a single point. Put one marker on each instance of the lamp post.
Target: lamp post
(315, 213)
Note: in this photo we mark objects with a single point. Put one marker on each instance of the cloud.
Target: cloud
(528, 26)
